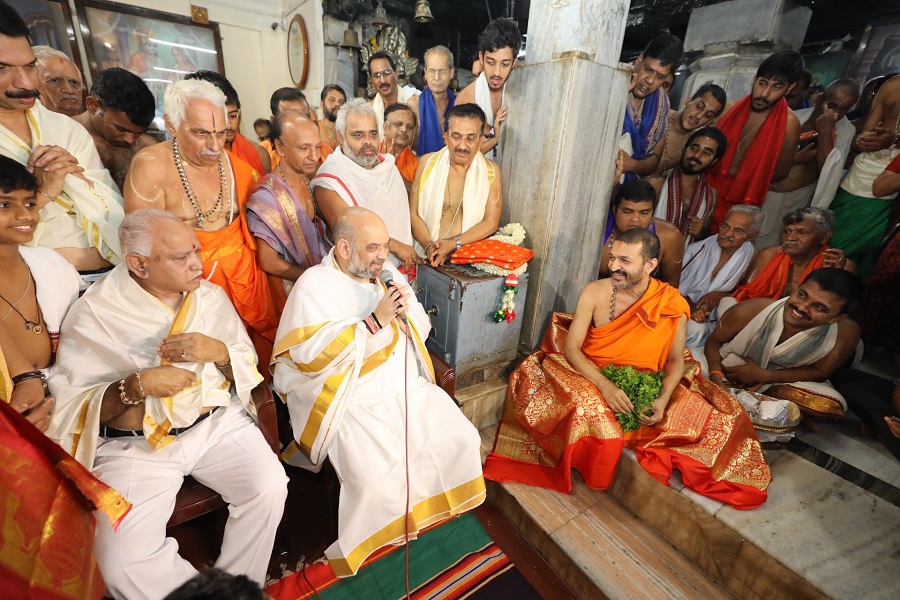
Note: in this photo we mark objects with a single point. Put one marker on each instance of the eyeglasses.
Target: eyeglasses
(437, 72)
(383, 74)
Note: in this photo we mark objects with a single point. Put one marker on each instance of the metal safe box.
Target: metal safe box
(460, 301)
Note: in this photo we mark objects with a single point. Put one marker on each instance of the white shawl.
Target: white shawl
(433, 185)
(380, 189)
(56, 284)
(701, 258)
(483, 98)
(83, 215)
(113, 331)
(865, 169)
(322, 347)
(833, 169)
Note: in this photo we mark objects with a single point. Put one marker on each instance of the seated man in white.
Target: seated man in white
(351, 364)
(788, 348)
(713, 268)
(152, 383)
(355, 174)
(456, 196)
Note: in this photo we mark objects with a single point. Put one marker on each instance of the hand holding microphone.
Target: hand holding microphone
(394, 303)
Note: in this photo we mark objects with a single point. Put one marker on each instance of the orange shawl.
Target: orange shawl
(246, 151)
(556, 420)
(751, 184)
(772, 280)
(229, 260)
(407, 163)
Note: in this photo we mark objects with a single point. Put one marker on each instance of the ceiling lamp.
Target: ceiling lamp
(379, 19)
(423, 12)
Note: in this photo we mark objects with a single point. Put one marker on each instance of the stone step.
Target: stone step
(596, 546)
(817, 536)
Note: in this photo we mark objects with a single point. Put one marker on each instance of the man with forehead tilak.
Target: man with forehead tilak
(195, 178)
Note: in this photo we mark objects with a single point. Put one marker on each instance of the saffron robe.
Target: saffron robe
(751, 183)
(81, 216)
(344, 388)
(773, 279)
(229, 260)
(555, 420)
(246, 151)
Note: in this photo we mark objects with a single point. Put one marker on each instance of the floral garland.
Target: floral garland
(511, 233)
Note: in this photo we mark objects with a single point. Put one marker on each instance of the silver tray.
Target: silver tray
(788, 425)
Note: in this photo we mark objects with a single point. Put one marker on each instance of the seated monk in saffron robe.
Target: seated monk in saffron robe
(48, 499)
(195, 178)
(560, 411)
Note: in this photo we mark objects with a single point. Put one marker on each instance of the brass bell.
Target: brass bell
(379, 19)
(351, 39)
(423, 12)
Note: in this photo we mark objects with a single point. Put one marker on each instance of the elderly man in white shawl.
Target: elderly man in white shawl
(152, 383)
(350, 362)
(456, 197)
(788, 348)
(81, 207)
(355, 174)
(713, 268)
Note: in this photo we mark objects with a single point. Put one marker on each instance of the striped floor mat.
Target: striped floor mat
(456, 559)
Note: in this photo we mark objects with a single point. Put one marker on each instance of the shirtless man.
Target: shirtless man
(498, 51)
(705, 105)
(632, 209)
(762, 116)
(824, 129)
(195, 178)
(118, 112)
(332, 98)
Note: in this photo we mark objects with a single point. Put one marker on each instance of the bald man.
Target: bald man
(343, 333)
(59, 81)
(281, 213)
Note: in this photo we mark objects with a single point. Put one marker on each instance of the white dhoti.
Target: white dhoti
(346, 395)
(225, 452)
(113, 331)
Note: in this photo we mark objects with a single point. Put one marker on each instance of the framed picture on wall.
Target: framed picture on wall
(159, 47)
(878, 53)
(50, 24)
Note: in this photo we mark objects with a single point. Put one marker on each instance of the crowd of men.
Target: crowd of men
(151, 286)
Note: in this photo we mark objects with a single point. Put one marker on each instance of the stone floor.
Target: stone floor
(820, 534)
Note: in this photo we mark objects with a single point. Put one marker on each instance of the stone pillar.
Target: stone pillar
(559, 144)
(734, 37)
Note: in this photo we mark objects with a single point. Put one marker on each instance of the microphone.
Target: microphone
(387, 278)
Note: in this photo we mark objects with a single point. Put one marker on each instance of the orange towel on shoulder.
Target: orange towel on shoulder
(246, 151)
(772, 280)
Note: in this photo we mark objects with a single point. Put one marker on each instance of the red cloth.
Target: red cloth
(772, 280)
(751, 183)
(894, 167)
(246, 151)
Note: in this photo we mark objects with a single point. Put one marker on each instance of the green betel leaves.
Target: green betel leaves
(641, 388)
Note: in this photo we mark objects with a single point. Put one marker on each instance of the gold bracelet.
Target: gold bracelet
(49, 197)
